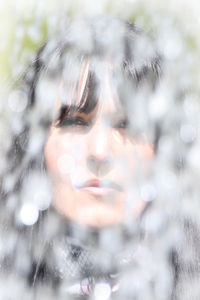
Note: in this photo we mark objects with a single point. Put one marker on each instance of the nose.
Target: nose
(99, 158)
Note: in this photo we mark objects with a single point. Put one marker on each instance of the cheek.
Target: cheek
(133, 157)
(141, 154)
(64, 155)
(130, 152)
(57, 155)
(52, 154)
(146, 151)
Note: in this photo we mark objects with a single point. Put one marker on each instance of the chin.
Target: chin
(90, 210)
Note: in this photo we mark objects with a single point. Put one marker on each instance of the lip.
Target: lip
(100, 188)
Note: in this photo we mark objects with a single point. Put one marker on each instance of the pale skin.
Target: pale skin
(97, 149)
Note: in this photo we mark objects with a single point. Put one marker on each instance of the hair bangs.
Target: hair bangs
(83, 96)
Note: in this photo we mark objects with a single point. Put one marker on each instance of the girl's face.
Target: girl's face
(91, 158)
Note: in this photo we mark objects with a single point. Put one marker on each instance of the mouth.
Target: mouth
(99, 188)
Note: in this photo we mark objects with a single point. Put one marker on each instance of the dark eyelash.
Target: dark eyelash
(72, 121)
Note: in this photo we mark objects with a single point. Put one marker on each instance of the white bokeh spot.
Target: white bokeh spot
(29, 214)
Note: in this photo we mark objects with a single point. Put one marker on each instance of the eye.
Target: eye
(122, 124)
(73, 122)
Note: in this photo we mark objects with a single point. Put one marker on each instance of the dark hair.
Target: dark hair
(136, 65)
(93, 40)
